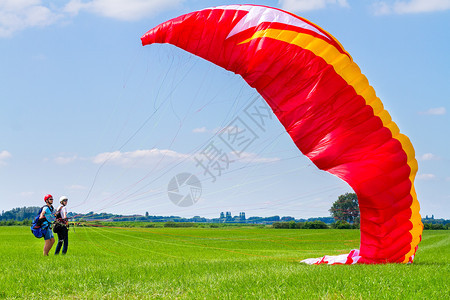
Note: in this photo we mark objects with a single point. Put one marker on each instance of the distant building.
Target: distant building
(228, 218)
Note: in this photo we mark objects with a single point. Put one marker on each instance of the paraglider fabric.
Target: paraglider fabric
(325, 104)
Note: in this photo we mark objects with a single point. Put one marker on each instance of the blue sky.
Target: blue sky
(89, 113)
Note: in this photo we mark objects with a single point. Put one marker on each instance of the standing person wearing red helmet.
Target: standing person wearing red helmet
(47, 218)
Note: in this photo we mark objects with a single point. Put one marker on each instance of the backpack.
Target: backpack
(57, 226)
(36, 226)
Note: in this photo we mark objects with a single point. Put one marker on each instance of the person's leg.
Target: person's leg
(49, 241)
(66, 240)
(48, 245)
(60, 242)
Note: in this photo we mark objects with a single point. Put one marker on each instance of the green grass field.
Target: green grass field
(213, 263)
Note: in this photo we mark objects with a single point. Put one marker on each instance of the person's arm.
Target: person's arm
(42, 215)
(64, 213)
(41, 219)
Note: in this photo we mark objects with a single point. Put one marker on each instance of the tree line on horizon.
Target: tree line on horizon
(344, 215)
(29, 213)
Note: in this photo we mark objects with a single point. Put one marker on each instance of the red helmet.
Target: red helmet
(48, 196)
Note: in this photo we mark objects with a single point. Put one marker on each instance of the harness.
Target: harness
(59, 219)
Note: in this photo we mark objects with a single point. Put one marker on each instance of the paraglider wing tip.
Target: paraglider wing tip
(157, 34)
(144, 39)
(149, 37)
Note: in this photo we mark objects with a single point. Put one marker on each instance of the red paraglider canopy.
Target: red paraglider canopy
(326, 105)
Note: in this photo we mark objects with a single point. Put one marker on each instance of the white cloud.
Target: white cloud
(4, 155)
(219, 130)
(144, 158)
(26, 194)
(16, 15)
(435, 111)
(125, 10)
(411, 7)
(137, 158)
(426, 176)
(428, 156)
(233, 129)
(76, 187)
(248, 157)
(307, 5)
(200, 130)
(61, 160)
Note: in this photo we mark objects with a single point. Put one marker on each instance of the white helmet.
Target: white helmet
(63, 198)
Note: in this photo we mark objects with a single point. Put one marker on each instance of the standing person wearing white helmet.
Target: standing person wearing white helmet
(62, 226)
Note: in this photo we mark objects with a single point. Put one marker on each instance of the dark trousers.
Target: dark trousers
(63, 238)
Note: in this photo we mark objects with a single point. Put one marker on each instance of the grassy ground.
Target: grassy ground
(213, 263)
